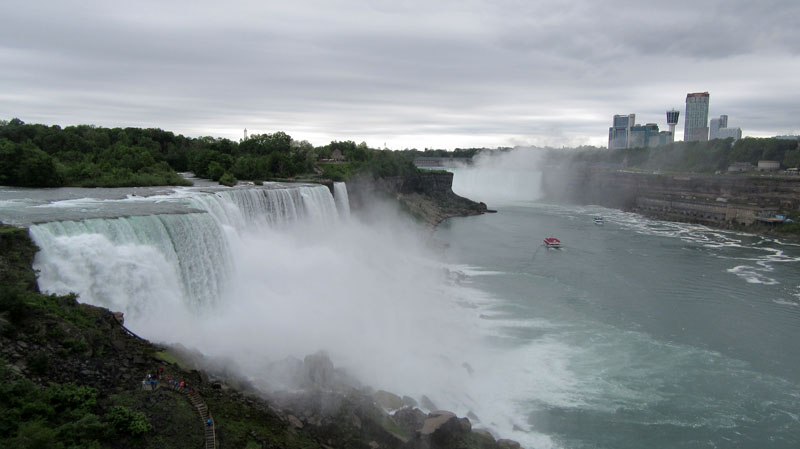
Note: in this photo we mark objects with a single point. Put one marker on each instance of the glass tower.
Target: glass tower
(696, 121)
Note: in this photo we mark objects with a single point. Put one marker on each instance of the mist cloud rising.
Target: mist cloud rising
(501, 177)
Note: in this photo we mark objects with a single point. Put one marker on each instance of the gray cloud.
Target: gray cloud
(443, 74)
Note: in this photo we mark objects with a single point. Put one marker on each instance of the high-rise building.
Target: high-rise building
(716, 125)
(672, 120)
(695, 123)
(619, 133)
(719, 129)
(644, 136)
(735, 133)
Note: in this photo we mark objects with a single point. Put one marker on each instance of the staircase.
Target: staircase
(202, 409)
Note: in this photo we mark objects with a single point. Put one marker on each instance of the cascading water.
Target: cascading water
(342, 200)
(134, 264)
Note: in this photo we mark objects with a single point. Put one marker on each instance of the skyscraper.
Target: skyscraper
(719, 129)
(619, 133)
(716, 125)
(672, 120)
(695, 124)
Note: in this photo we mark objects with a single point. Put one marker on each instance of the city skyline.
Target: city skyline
(411, 74)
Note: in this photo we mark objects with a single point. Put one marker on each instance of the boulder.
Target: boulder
(427, 403)
(387, 400)
(318, 370)
(444, 421)
(508, 444)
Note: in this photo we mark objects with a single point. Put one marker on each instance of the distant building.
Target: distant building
(716, 124)
(741, 167)
(768, 165)
(337, 155)
(619, 133)
(695, 124)
(647, 136)
(719, 129)
(245, 134)
(672, 120)
(735, 133)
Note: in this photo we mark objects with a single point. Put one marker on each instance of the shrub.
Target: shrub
(228, 180)
(125, 421)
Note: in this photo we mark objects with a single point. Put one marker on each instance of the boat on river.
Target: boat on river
(552, 242)
(598, 220)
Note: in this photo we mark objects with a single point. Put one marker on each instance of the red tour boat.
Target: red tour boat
(552, 242)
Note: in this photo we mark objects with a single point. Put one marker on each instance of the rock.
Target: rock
(484, 433)
(409, 401)
(441, 419)
(427, 403)
(409, 419)
(472, 416)
(508, 444)
(318, 370)
(386, 400)
(295, 422)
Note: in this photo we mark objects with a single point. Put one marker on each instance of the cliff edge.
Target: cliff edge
(426, 195)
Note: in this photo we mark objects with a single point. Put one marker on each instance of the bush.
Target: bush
(228, 180)
(39, 363)
(127, 422)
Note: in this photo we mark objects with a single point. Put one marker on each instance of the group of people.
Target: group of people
(150, 382)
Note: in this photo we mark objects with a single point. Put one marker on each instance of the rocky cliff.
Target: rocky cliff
(427, 195)
(728, 200)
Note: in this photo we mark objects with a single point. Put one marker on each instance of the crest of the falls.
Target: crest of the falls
(257, 207)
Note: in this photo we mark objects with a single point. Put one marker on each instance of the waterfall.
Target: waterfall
(145, 265)
(271, 206)
(134, 263)
(342, 200)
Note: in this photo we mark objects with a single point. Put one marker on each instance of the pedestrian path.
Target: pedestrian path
(208, 421)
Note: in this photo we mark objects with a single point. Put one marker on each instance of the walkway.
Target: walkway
(208, 421)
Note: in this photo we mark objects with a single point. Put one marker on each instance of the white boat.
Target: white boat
(552, 242)
(598, 220)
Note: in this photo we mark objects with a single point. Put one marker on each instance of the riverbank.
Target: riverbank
(731, 201)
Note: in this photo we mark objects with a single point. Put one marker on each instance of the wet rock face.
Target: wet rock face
(387, 400)
(318, 371)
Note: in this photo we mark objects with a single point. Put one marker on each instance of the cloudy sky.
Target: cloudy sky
(435, 74)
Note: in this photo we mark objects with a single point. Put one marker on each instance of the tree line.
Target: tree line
(35, 155)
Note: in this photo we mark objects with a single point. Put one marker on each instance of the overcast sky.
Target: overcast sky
(435, 74)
